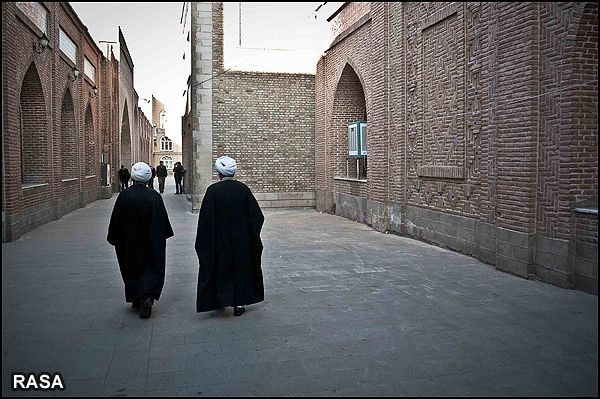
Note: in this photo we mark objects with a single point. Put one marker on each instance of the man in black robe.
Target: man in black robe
(139, 228)
(123, 177)
(178, 172)
(228, 244)
(161, 173)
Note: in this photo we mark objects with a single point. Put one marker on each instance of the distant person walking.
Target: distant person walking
(161, 173)
(124, 177)
(228, 244)
(139, 228)
(151, 181)
(178, 172)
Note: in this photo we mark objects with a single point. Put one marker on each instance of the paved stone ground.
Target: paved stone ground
(348, 311)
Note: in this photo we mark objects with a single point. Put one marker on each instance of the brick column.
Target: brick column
(201, 83)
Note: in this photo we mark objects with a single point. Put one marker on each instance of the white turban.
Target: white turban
(141, 172)
(226, 166)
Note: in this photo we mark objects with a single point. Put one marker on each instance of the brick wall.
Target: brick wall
(265, 121)
(584, 127)
(34, 87)
(127, 133)
(68, 138)
(55, 167)
(352, 12)
(110, 116)
(477, 117)
(34, 130)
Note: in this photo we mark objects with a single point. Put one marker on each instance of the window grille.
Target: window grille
(352, 140)
(67, 46)
(89, 69)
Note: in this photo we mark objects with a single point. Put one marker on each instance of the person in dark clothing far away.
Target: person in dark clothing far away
(151, 181)
(228, 244)
(161, 173)
(124, 177)
(178, 172)
(139, 228)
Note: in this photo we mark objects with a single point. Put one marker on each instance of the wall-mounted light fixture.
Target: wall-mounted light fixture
(41, 44)
(75, 74)
(94, 92)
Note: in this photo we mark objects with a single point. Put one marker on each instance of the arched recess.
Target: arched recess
(349, 105)
(68, 138)
(350, 62)
(126, 139)
(33, 129)
(90, 143)
(136, 135)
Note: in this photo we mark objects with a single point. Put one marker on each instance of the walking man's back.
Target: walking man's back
(161, 173)
(228, 244)
(139, 228)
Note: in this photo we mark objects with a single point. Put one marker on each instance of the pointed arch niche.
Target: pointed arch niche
(68, 138)
(33, 128)
(349, 105)
(90, 143)
(126, 139)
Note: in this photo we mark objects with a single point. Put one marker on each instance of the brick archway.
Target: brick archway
(33, 129)
(68, 138)
(90, 144)
(126, 155)
(349, 105)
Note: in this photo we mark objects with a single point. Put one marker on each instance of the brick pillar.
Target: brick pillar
(201, 114)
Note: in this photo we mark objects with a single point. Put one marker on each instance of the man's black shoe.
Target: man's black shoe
(136, 304)
(146, 308)
(238, 310)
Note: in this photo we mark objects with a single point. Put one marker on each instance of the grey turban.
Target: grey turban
(226, 166)
(141, 172)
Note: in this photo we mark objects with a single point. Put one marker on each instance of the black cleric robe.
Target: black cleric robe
(229, 248)
(139, 228)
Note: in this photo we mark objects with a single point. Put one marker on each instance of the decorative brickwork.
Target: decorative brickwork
(484, 111)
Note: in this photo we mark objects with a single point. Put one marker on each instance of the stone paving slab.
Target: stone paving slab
(348, 311)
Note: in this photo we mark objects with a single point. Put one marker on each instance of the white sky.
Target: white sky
(154, 37)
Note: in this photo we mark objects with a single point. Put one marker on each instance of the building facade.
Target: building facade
(263, 120)
(482, 130)
(135, 136)
(110, 123)
(51, 115)
(58, 115)
(164, 149)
